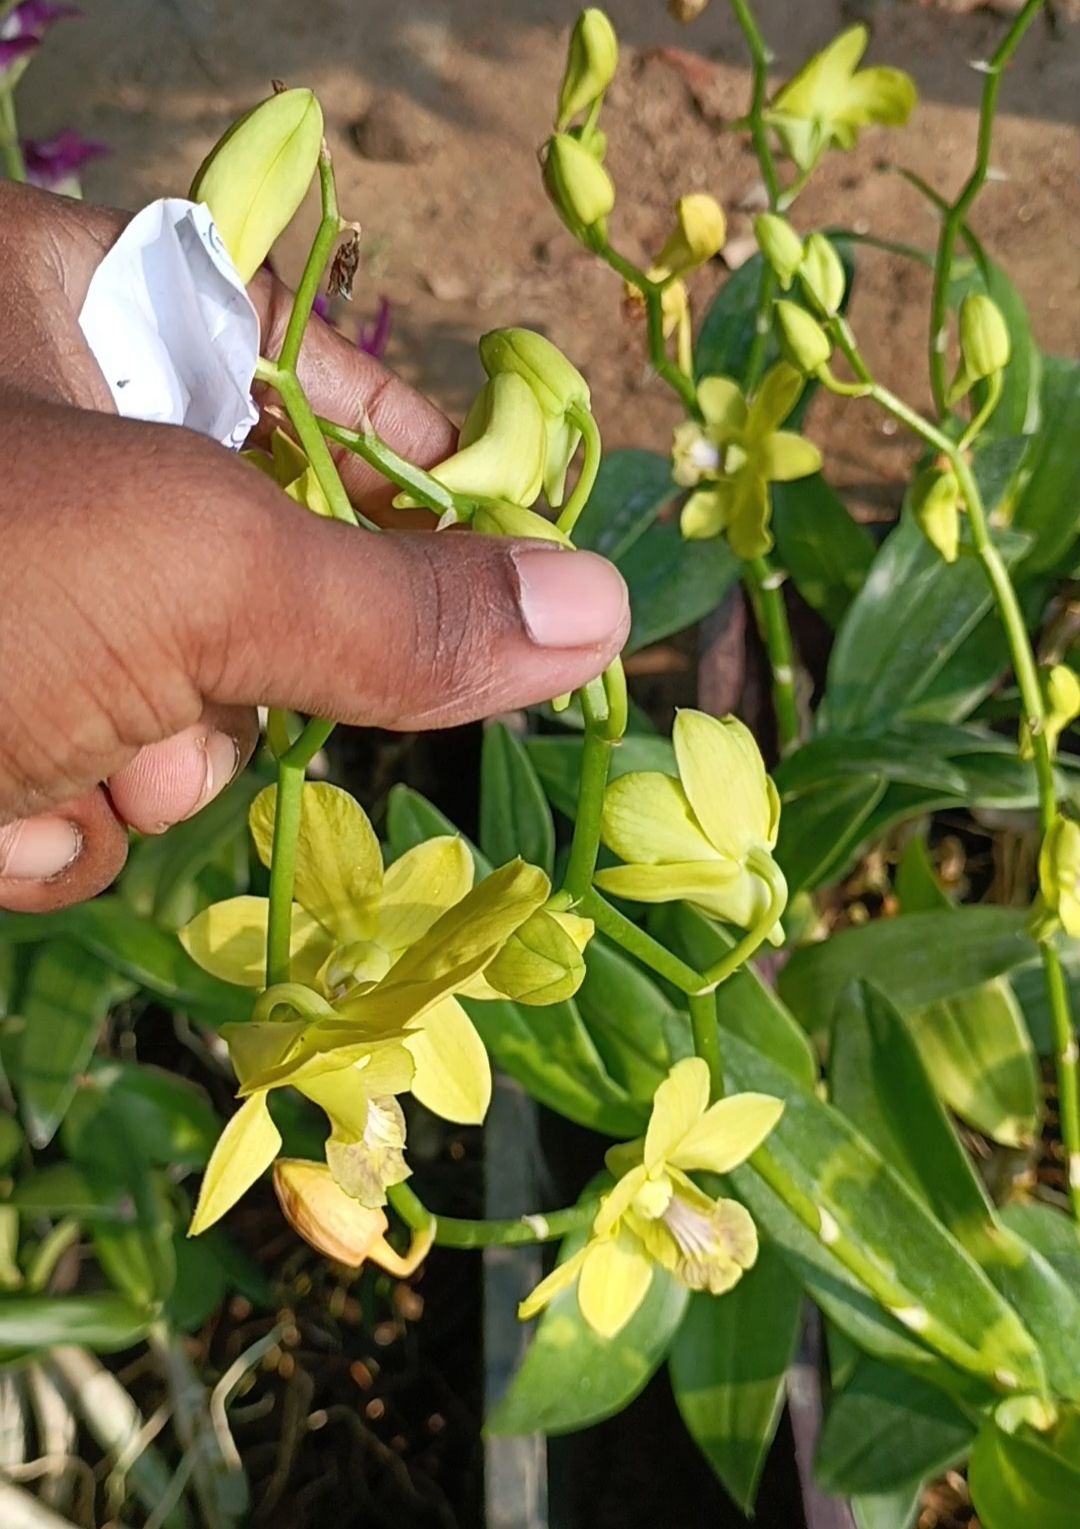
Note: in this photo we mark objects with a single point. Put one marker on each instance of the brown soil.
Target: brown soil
(456, 95)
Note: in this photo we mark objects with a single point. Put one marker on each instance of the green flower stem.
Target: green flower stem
(372, 449)
(648, 951)
(618, 702)
(314, 737)
(755, 360)
(760, 60)
(1027, 678)
(10, 148)
(706, 1033)
(590, 433)
(653, 293)
(958, 210)
(994, 390)
(453, 1232)
(288, 808)
(595, 766)
(877, 1280)
(765, 587)
(295, 996)
(308, 433)
(765, 867)
(321, 249)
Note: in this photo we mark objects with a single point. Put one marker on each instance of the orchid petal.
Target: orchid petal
(726, 1134)
(779, 392)
(723, 406)
(707, 512)
(228, 940)
(338, 860)
(245, 1149)
(453, 1073)
(679, 1102)
(560, 1279)
(723, 775)
(420, 887)
(786, 456)
(647, 819)
(615, 1279)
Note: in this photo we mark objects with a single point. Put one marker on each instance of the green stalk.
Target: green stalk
(765, 867)
(638, 943)
(10, 148)
(454, 1232)
(365, 444)
(303, 420)
(957, 212)
(593, 447)
(653, 293)
(288, 808)
(759, 133)
(595, 765)
(322, 247)
(706, 1034)
(1025, 668)
(765, 587)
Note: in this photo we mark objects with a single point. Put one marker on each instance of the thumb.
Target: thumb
(410, 629)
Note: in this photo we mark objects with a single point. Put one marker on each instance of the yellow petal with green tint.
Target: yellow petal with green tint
(723, 775)
(707, 512)
(679, 1103)
(786, 456)
(822, 82)
(647, 820)
(723, 406)
(255, 178)
(718, 885)
(245, 1149)
(228, 940)
(338, 860)
(453, 1073)
(751, 510)
(726, 1134)
(560, 1279)
(475, 927)
(779, 392)
(541, 962)
(615, 1277)
(886, 96)
(618, 1200)
(420, 887)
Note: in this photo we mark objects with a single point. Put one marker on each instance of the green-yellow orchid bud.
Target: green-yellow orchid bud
(514, 520)
(802, 339)
(1061, 706)
(591, 60)
(780, 245)
(699, 232)
(556, 382)
(822, 274)
(542, 961)
(254, 180)
(502, 446)
(936, 503)
(289, 468)
(1059, 873)
(985, 346)
(558, 386)
(581, 190)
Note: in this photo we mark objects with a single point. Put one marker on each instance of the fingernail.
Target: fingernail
(222, 763)
(39, 849)
(569, 599)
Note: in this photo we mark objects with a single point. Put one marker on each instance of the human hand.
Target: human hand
(154, 589)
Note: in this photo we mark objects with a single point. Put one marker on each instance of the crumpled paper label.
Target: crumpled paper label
(171, 325)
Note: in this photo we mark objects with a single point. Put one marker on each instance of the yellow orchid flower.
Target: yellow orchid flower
(736, 454)
(831, 98)
(655, 1214)
(1059, 875)
(377, 957)
(288, 467)
(706, 837)
(320, 1212)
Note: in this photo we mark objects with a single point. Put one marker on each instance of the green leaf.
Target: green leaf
(673, 582)
(728, 1365)
(826, 552)
(745, 1006)
(977, 1049)
(65, 1002)
(916, 960)
(1048, 507)
(104, 1322)
(1053, 1232)
(11, 1140)
(916, 884)
(515, 818)
(910, 617)
(1018, 411)
(831, 1168)
(888, 1510)
(893, 757)
(201, 1282)
(558, 764)
(570, 1378)
(886, 1427)
(552, 1055)
(823, 826)
(137, 949)
(170, 1119)
(1019, 1483)
(637, 1030)
(62, 1189)
(631, 489)
(138, 1258)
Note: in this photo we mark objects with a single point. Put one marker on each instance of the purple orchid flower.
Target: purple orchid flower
(373, 338)
(54, 163)
(22, 29)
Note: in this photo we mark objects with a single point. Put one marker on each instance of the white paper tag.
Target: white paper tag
(171, 325)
